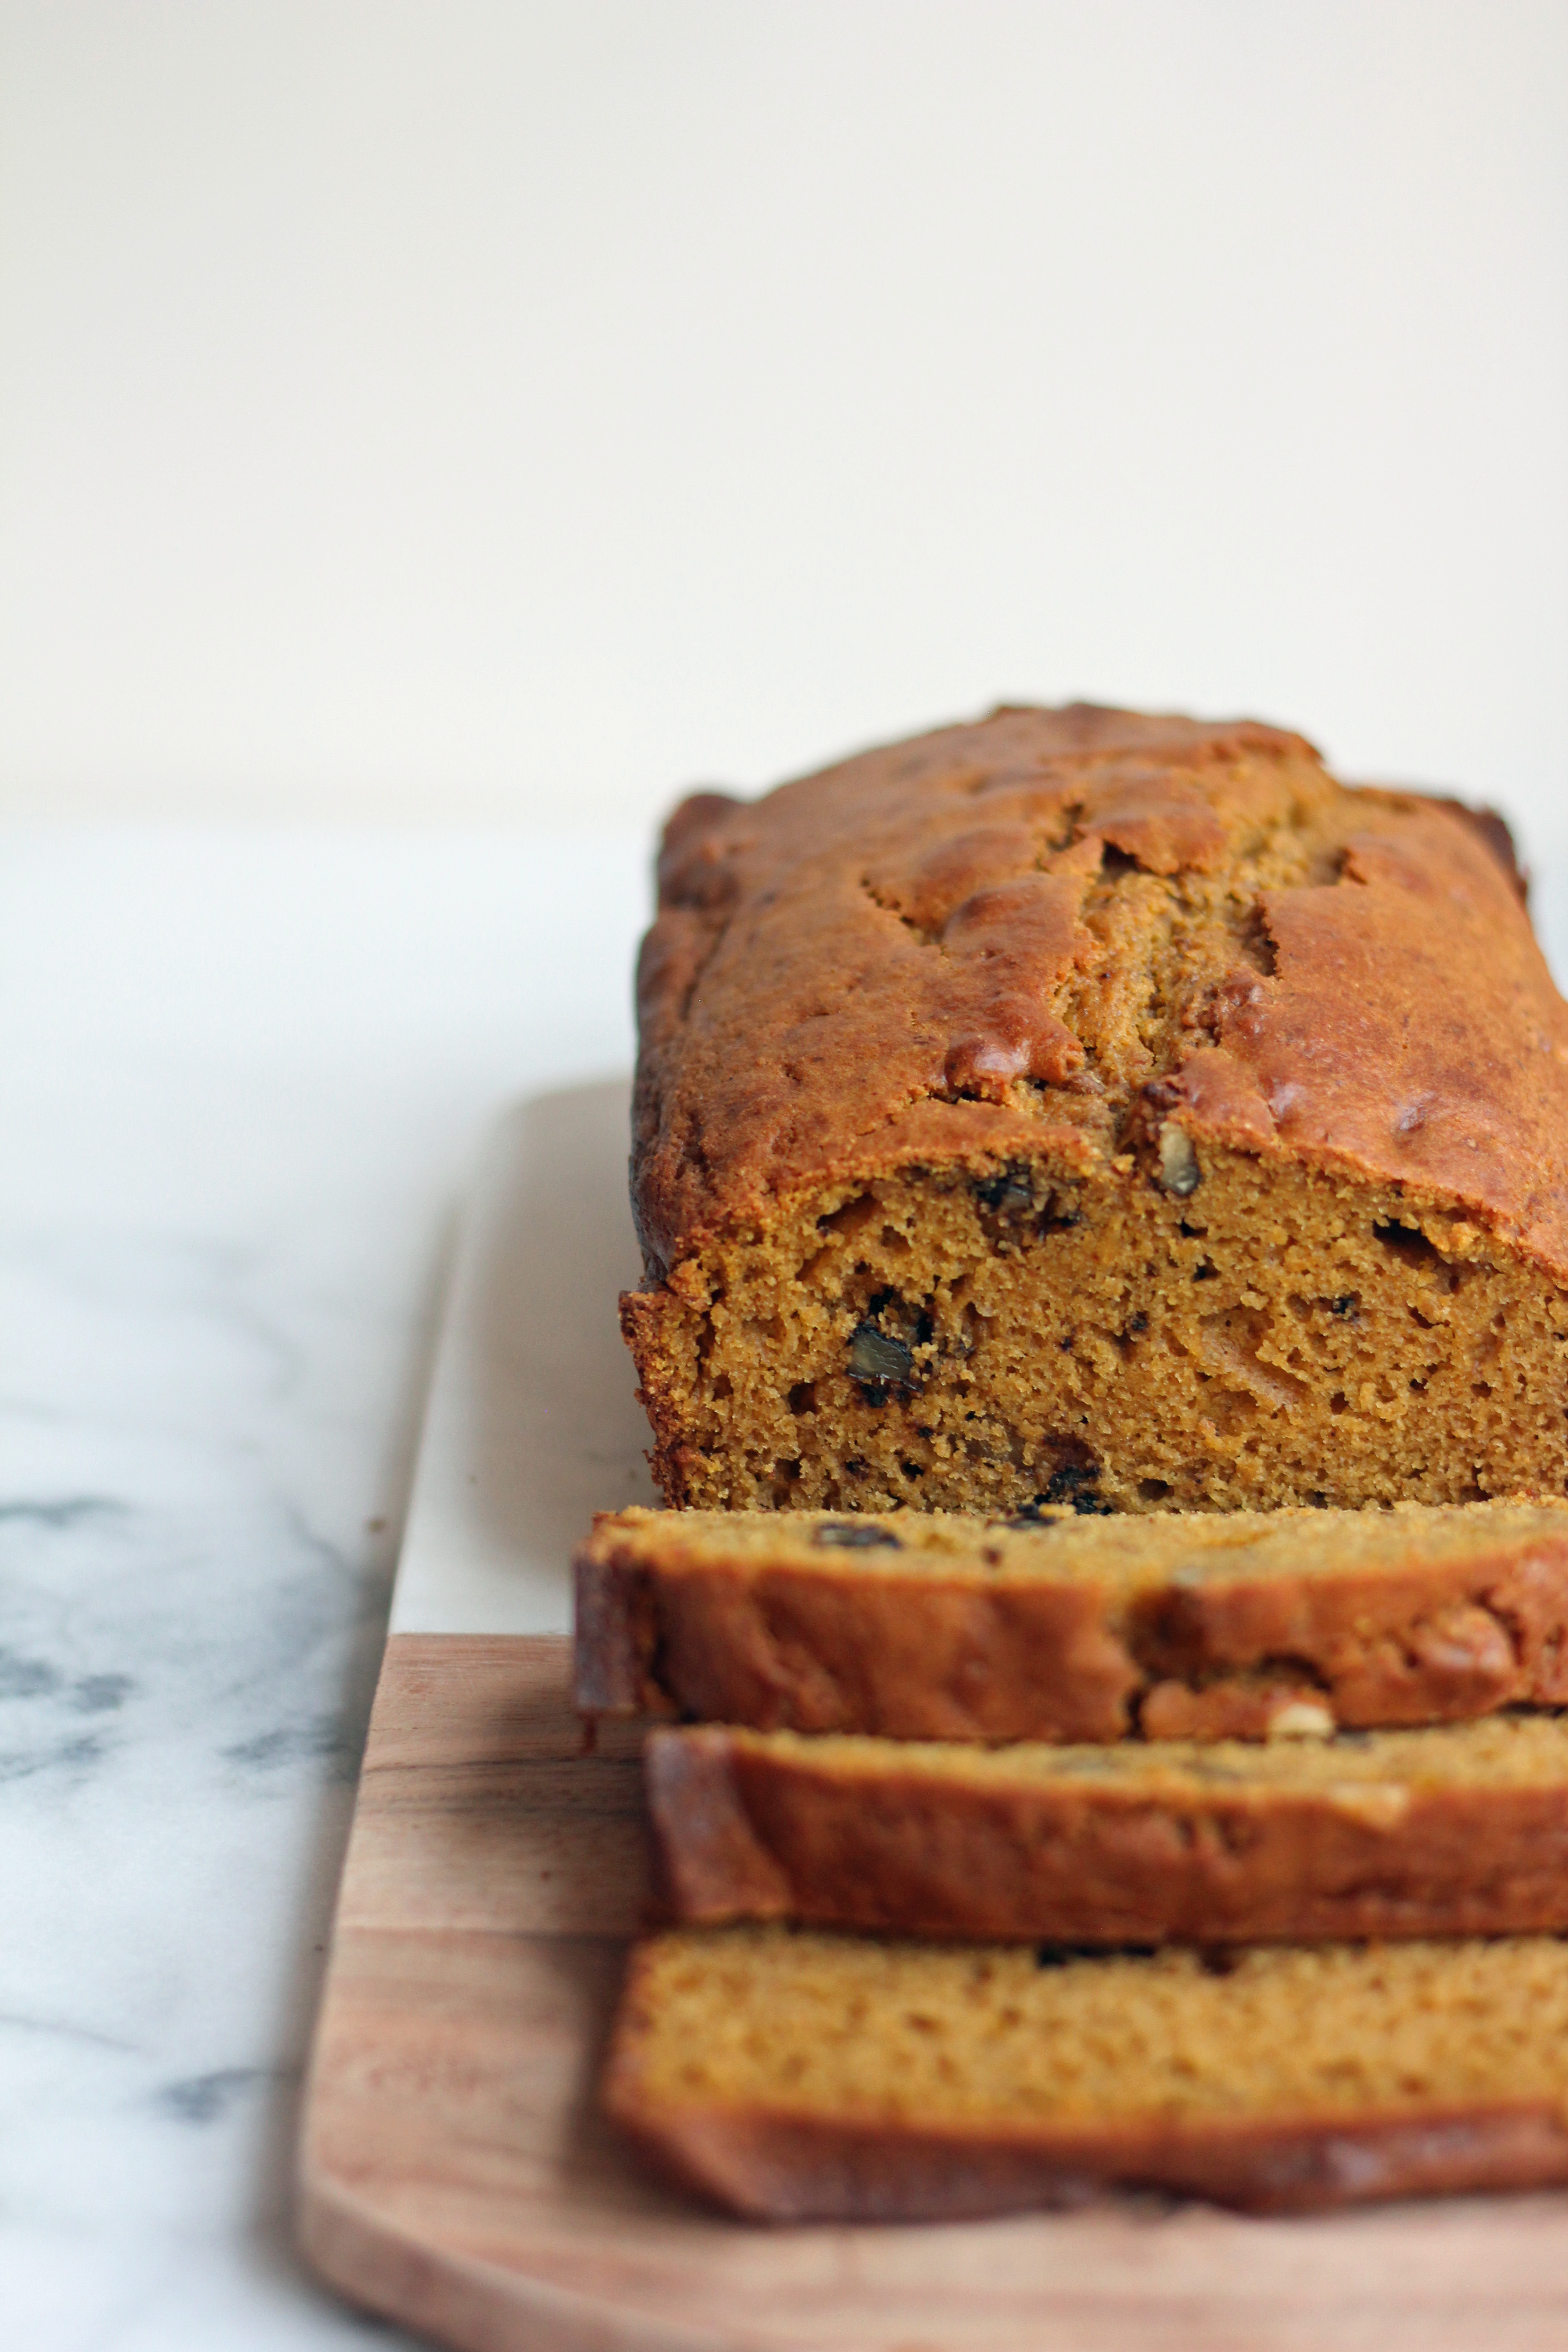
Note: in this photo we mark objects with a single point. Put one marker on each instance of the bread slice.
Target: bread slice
(1462, 1830)
(1089, 1096)
(795, 2075)
(936, 1626)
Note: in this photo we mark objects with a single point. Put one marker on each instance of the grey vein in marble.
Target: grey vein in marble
(246, 1075)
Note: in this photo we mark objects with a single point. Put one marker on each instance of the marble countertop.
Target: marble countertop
(247, 1072)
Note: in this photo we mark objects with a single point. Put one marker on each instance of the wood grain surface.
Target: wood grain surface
(455, 2174)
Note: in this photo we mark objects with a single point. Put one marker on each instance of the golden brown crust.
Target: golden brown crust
(781, 2168)
(1410, 1031)
(788, 1649)
(874, 967)
(749, 1829)
(966, 1651)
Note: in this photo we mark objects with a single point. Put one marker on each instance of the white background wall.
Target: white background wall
(443, 407)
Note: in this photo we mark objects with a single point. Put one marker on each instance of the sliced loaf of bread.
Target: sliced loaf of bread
(795, 2075)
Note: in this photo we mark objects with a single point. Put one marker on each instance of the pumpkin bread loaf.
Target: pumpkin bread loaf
(1459, 1831)
(794, 2075)
(1093, 1107)
(1064, 1627)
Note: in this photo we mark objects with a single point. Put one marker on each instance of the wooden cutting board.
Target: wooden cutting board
(455, 2174)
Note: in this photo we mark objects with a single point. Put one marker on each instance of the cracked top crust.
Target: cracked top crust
(1034, 932)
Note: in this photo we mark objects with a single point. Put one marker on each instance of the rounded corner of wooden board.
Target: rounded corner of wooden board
(456, 2174)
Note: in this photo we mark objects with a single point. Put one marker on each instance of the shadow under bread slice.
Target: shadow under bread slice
(1204, 1625)
(1460, 1829)
(795, 2075)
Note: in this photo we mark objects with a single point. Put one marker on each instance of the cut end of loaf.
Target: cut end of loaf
(1211, 1330)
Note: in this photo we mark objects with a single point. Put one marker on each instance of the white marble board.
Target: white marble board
(532, 1423)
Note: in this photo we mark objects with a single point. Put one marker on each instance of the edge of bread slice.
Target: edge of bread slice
(1460, 1829)
(792, 2075)
(1059, 1627)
